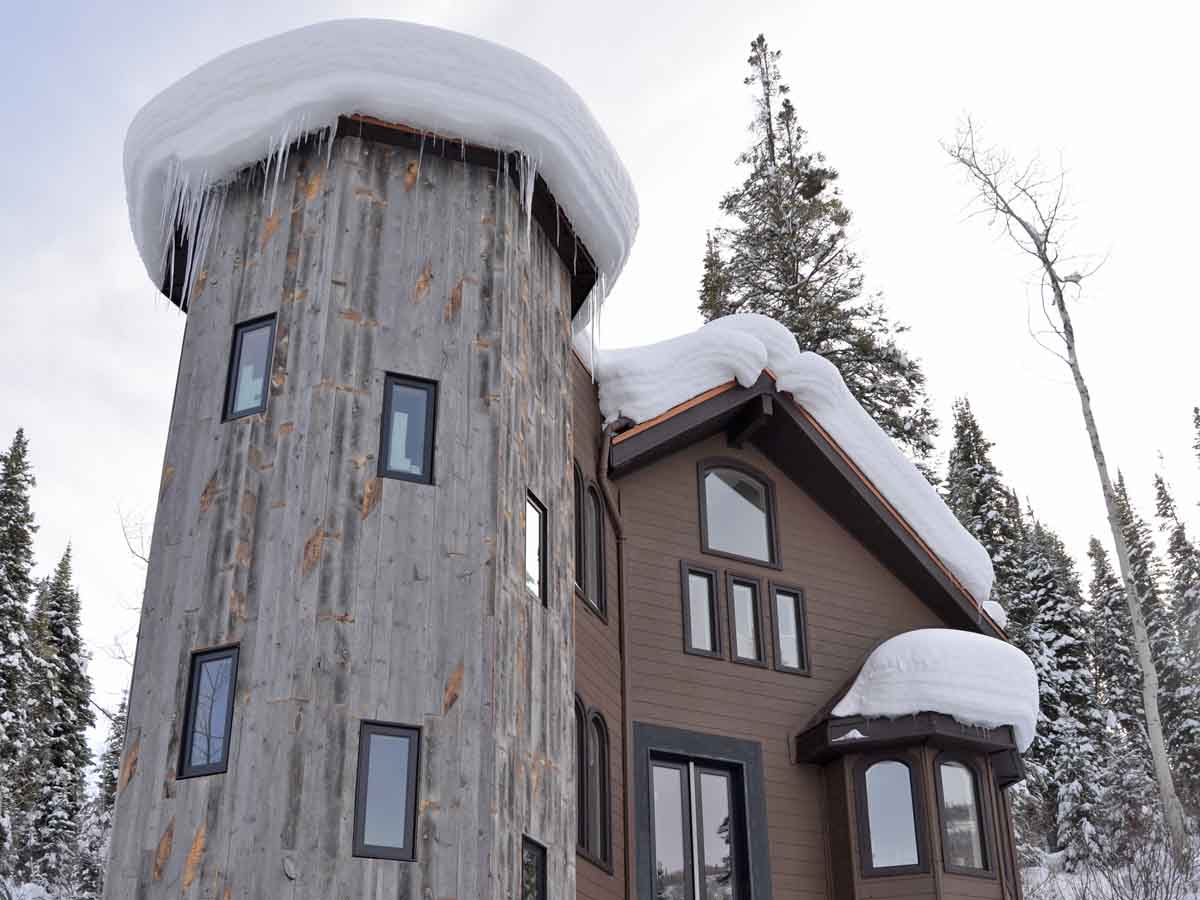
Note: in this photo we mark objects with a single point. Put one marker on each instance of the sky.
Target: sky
(88, 349)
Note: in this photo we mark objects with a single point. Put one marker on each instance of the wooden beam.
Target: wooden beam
(754, 415)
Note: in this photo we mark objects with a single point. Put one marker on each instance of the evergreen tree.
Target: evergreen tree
(109, 765)
(16, 586)
(59, 756)
(787, 256)
(95, 831)
(1196, 427)
(1118, 679)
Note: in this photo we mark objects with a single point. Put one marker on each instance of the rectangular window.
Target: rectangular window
(533, 870)
(697, 831)
(406, 443)
(535, 547)
(701, 635)
(385, 797)
(208, 718)
(791, 627)
(745, 621)
(249, 368)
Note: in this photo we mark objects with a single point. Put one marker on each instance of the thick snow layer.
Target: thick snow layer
(643, 382)
(978, 680)
(996, 613)
(248, 105)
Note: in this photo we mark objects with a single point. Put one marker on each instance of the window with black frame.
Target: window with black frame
(406, 438)
(386, 791)
(889, 818)
(535, 548)
(963, 845)
(247, 383)
(533, 870)
(745, 621)
(701, 634)
(737, 514)
(790, 633)
(697, 831)
(208, 718)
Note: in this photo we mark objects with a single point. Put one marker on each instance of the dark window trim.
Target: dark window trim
(543, 537)
(744, 757)
(593, 855)
(917, 787)
(235, 356)
(385, 428)
(372, 851)
(981, 808)
(581, 792)
(198, 658)
(685, 568)
(732, 578)
(805, 667)
(580, 512)
(598, 604)
(540, 887)
(725, 462)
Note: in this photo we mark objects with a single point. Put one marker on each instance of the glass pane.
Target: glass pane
(960, 817)
(597, 790)
(533, 871)
(533, 547)
(250, 379)
(890, 815)
(580, 777)
(579, 517)
(214, 694)
(700, 607)
(789, 631)
(670, 875)
(387, 791)
(592, 548)
(745, 622)
(717, 836)
(406, 430)
(736, 514)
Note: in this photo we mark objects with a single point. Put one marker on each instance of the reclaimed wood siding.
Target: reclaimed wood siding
(354, 597)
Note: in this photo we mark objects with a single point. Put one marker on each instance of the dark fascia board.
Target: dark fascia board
(804, 453)
(835, 737)
(545, 209)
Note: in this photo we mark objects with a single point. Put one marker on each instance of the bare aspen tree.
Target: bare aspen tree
(1029, 205)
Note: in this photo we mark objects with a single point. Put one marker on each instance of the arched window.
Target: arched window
(963, 845)
(589, 544)
(737, 514)
(592, 791)
(581, 817)
(579, 517)
(888, 826)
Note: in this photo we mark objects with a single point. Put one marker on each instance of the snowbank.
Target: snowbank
(996, 613)
(978, 680)
(643, 382)
(247, 106)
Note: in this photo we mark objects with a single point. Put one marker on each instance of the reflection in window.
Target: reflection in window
(890, 816)
(406, 446)
(598, 798)
(209, 715)
(716, 837)
(246, 388)
(671, 869)
(535, 544)
(593, 544)
(789, 634)
(701, 612)
(744, 605)
(533, 870)
(386, 794)
(962, 840)
(695, 844)
(736, 514)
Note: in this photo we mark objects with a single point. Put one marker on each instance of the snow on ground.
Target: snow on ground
(642, 382)
(976, 679)
(248, 105)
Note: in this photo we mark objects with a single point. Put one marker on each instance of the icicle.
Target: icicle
(281, 153)
(331, 135)
(557, 222)
(527, 171)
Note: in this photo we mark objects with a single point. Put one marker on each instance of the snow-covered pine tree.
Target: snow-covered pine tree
(787, 255)
(16, 586)
(95, 829)
(1118, 679)
(109, 765)
(1196, 428)
(59, 756)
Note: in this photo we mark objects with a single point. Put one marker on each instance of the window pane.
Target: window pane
(789, 629)
(250, 379)
(700, 606)
(533, 547)
(595, 529)
(387, 791)
(406, 430)
(736, 514)
(960, 817)
(214, 694)
(579, 517)
(533, 871)
(745, 621)
(670, 875)
(890, 815)
(581, 812)
(598, 790)
(717, 836)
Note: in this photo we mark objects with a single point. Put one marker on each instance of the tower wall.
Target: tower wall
(354, 597)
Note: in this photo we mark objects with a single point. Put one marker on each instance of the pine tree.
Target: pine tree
(16, 586)
(1118, 679)
(787, 256)
(1196, 428)
(59, 756)
(95, 830)
(109, 765)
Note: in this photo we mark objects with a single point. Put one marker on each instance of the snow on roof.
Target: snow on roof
(976, 679)
(643, 382)
(996, 613)
(249, 104)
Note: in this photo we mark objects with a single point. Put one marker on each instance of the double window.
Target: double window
(593, 797)
(385, 797)
(406, 440)
(246, 385)
(698, 831)
(208, 717)
(589, 544)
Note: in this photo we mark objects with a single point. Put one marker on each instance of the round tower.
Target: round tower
(355, 659)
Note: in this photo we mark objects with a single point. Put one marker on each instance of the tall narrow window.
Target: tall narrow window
(580, 515)
(745, 622)
(533, 870)
(791, 641)
(535, 547)
(208, 718)
(581, 781)
(962, 832)
(737, 515)
(594, 551)
(386, 793)
(599, 799)
(698, 843)
(700, 632)
(249, 368)
(890, 837)
(406, 441)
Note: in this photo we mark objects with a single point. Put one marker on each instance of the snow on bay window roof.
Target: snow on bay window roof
(248, 105)
(973, 678)
(641, 383)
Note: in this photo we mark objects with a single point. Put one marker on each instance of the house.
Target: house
(441, 606)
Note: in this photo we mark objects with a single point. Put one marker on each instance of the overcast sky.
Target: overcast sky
(88, 349)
